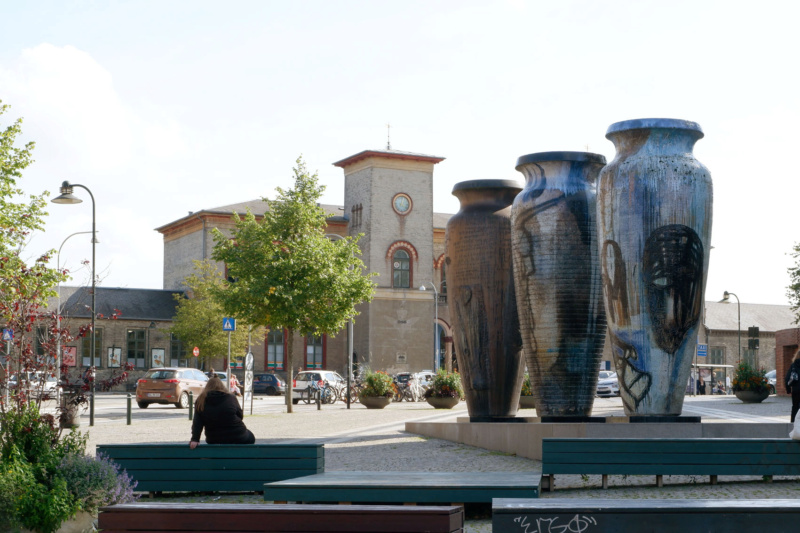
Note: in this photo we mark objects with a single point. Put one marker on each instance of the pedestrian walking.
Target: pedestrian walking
(792, 381)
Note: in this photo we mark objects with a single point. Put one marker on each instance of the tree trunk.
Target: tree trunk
(289, 369)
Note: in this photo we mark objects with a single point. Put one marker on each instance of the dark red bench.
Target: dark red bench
(246, 518)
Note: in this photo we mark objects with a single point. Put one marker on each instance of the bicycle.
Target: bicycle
(328, 394)
(310, 394)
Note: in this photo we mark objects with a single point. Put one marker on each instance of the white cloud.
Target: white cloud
(72, 102)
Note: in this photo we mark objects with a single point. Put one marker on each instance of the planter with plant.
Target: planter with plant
(445, 390)
(526, 394)
(750, 384)
(378, 390)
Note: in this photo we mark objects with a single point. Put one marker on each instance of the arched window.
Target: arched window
(401, 270)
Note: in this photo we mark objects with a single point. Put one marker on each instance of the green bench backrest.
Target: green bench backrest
(214, 467)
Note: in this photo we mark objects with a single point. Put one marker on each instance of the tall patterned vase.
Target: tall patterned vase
(557, 277)
(483, 307)
(654, 221)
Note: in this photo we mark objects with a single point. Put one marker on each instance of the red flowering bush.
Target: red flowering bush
(747, 378)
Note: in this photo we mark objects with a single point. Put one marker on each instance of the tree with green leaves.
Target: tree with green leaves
(25, 284)
(286, 274)
(793, 290)
(198, 318)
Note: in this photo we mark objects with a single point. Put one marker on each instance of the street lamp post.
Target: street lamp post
(435, 324)
(336, 237)
(725, 298)
(58, 307)
(66, 197)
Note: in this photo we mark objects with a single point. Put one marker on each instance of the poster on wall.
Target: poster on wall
(69, 355)
(158, 358)
(114, 357)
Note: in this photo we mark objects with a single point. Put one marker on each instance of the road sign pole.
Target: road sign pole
(228, 369)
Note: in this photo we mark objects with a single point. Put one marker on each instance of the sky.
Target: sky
(162, 108)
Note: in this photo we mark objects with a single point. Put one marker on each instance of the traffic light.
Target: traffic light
(752, 334)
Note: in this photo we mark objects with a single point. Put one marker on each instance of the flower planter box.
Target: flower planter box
(375, 402)
(748, 396)
(442, 403)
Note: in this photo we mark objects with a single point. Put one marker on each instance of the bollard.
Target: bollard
(129, 410)
(191, 405)
(319, 397)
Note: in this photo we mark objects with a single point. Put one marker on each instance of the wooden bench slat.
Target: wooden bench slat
(672, 470)
(673, 445)
(222, 464)
(204, 475)
(673, 458)
(173, 451)
(286, 518)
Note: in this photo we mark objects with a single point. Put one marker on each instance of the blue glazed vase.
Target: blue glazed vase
(557, 278)
(654, 209)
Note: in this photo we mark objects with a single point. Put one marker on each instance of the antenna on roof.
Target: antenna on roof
(388, 137)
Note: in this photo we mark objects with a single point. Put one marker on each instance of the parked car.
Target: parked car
(302, 380)
(772, 381)
(37, 384)
(608, 384)
(221, 375)
(169, 386)
(268, 384)
(425, 378)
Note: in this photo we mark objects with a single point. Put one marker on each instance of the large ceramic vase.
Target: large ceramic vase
(654, 220)
(481, 297)
(557, 277)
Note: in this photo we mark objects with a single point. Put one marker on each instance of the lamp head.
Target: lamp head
(422, 288)
(66, 196)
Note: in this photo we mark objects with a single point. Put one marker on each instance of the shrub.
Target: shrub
(377, 384)
(526, 386)
(445, 385)
(747, 378)
(95, 482)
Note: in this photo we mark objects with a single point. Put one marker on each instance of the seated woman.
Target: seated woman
(219, 413)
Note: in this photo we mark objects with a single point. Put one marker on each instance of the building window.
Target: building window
(315, 351)
(275, 340)
(177, 352)
(443, 285)
(137, 339)
(39, 341)
(401, 270)
(86, 347)
(716, 355)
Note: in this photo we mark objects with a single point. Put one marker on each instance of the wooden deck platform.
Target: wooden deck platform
(405, 487)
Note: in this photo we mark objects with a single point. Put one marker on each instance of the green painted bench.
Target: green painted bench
(171, 467)
(246, 518)
(654, 516)
(404, 487)
(664, 457)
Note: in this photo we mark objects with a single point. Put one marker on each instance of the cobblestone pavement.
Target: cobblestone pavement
(375, 440)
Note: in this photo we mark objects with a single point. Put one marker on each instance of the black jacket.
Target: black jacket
(796, 367)
(222, 419)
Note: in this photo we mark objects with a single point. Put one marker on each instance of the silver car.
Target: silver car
(608, 384)
(772, 381)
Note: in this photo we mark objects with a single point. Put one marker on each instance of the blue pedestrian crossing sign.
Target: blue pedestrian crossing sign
(702, 350)
(8, 335)
(228, 324)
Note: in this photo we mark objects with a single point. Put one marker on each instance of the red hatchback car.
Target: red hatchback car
(169, 385)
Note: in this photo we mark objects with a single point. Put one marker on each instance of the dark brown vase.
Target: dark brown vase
(482, 302)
